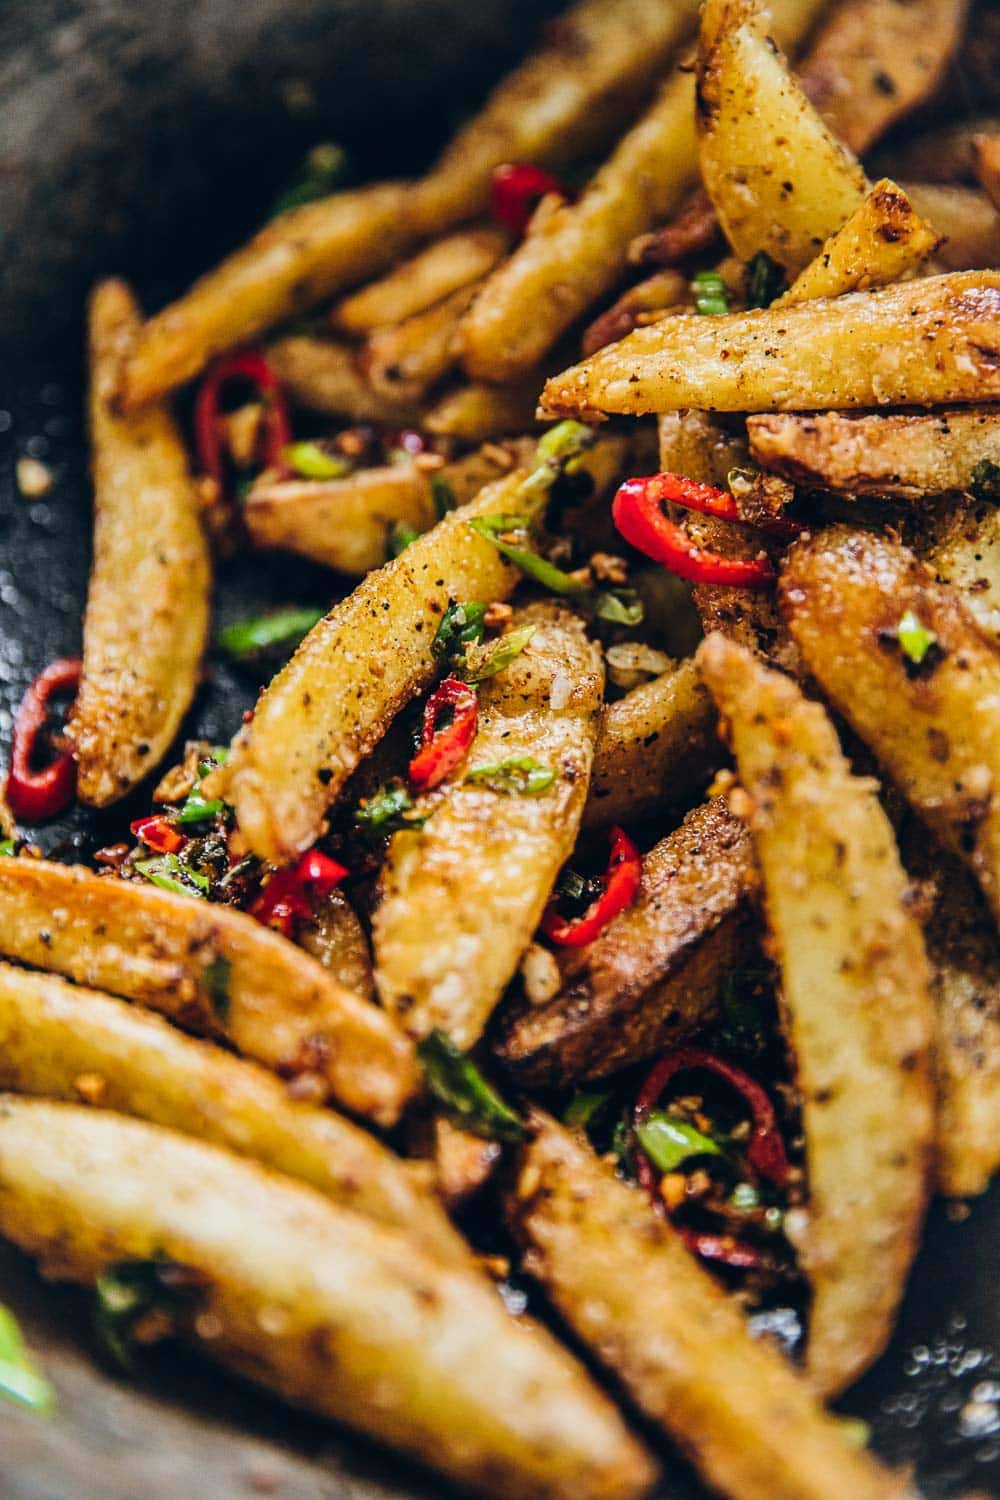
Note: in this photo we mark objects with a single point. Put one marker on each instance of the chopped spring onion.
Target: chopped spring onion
(461, 1089)
(709, 294)
(915, 640)
(313, 462)
(669, 1141)
(21, 1380)
(520, 776)
(281, 630)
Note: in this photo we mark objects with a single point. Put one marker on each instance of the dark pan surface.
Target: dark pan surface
(145, 140)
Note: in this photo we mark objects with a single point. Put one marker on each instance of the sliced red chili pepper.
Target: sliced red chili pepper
(157, 832)
(252, 367)
(725, 1248)
(516, 190)
(442, 750)
(620, 882)
(637, 511)
(290, 895)
(36, 795)
(709, 500)
(766, 1149)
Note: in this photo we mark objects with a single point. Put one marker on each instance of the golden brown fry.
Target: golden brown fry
(630, 1289)
(854, 985)
(335, 937)
(443, 267)
(148, 598)
(333, 1312)
(477, 412)
(652, 978)
(964, 550)
(920, 344)
(792, 195)
(986, 155)
(410, 357)
(322, 375)
(883, 241)
(82, 1046)
(966, 218)
(662, 290)
(936, 728)
(656, 748)
(463, 1163)
(293, 263)
(694, 229)
(908, 455)
(568, 99)
(461, 896)
(212, 969)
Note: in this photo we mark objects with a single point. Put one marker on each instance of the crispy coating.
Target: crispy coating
(322, 375)
(883, 241)
(412, 286)
(410, 357)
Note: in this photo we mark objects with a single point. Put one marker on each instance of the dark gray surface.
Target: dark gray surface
(147, 139)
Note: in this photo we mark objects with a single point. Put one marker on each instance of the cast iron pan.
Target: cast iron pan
(146, 140)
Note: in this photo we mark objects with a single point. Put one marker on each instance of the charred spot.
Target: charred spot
(883, 83)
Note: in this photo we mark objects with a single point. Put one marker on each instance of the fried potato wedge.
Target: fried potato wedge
(790, 197)
(943, 153)
(476, 412)
(967, 220)
(652, 977)
(986, 150)
(463, 1162)
(148, 598)
(933, 723)
(883, 241)
(965, 552)
(626, 1284)
(462, 896)
(854, 988)
(656, 294)
(906, 455)
(333, 1312)
(322, 375)
(920, 344)
(568, 99)
(82, 1046)
(211, 969)
(442, 267)
(412, 356)
(657, 747)
(292, 264)
(337, 940)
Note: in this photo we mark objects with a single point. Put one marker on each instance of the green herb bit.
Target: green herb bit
(322, 171)
(313, 462)
(764, 280)
(915, 640)
(130, 1289)
(21, 1379)
(167, 872)
(195, 809)
(565, 443)
(744, 1197)
(855, 1431)
(520, 776)
(216, 977)
(401, 535)
(282, 629)
(217, 756)
(709, 294)
(668, 1141)
(486, 660)
(242, 485)
(443, 495)
(459, 1086)
(389, 810)
(986, 481)
(8, 846)
(744, 1011)
(584, 1106)
(461, 625)
(618, 606)
(494, 528)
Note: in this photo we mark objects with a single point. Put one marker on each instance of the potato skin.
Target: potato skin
(331, 1311)
(936, 730)
(148, 598)
(652, 977)
(630, 1289)
(854, 992)
(921, 343)
(75, 1044)
(284, 1009)
(462, 896)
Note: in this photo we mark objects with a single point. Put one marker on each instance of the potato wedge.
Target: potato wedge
(82, 1046)
(568, 99)
(942, 153)
(409, 358)
(965, 552)
(693, 229)
(442, 267)
(919, 344)
(967, 220)
(854, 987)
(211, 969)
(626, 1284)
(652, 978)
(907, 455)
(337, 940)
(476, 412)
(463, 1162)
(148, 599)
(656, 294)
(986, 149)
(462, 896)
(933, 723)
(883, 241)
(292, 264)
(322, 375)
(798, 192)
(657, 747)
(331, 1311)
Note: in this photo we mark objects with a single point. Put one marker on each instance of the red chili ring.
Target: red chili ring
(441, 751)
(34, 795)
(516, 190)
(248, 365)
(290, 895)
(637, 511)
(621, 881)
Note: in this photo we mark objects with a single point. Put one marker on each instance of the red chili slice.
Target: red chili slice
(290, 895)
(725, 1248)
(36, 795)
(637, 511)
(620, 882)
(515, 192)
(157, 832)
(442, 750)
(249, 366)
